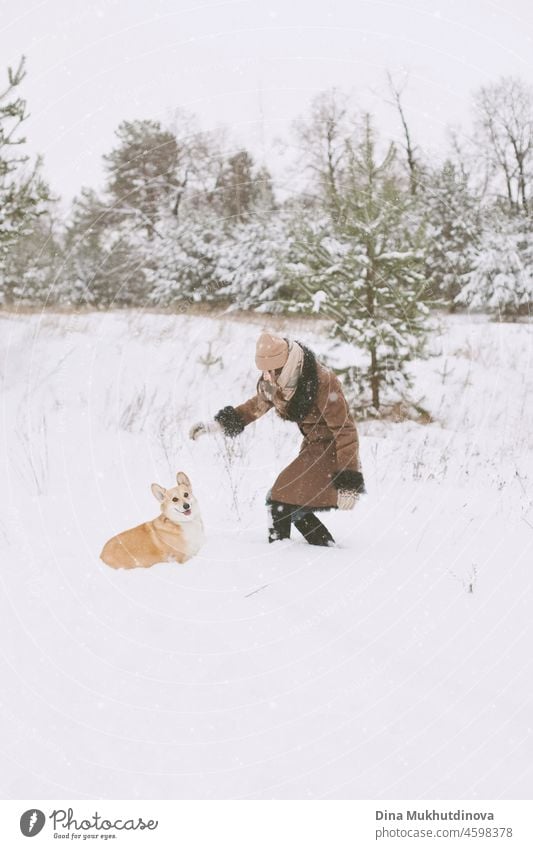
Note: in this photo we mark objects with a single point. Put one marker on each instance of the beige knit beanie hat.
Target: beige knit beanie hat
(271, 352)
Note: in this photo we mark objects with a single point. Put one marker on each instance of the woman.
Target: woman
(326, 474)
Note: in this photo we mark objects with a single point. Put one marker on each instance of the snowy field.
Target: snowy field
(398, 665)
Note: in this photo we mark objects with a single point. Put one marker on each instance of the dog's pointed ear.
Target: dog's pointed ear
(182, 478)
(158, 491)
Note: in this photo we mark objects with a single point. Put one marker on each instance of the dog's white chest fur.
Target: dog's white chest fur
(193, 533)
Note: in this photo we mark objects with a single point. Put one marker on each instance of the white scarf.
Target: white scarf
(291, 371)
(285, 386)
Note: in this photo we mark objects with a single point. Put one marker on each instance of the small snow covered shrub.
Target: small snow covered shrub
(501, 279)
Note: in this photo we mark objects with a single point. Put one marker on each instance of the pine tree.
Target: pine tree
(142, 173)
(103, 260)
(24, 195)
(452, 218)
(181, 269)
(33, 264)
(501, 278)
(361, 265)
(240, 187)
(251, 260)
(113, 242)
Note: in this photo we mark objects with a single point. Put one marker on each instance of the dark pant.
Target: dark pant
(309, 525)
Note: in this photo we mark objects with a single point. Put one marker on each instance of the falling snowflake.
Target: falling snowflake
(318, 299)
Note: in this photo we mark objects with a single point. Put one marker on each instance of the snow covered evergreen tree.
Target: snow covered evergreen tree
(501, 279)
(240, 186)
(225, 248)
(360, 264)
(452, 217)
(103, 262)
(250, 264)
(33, 263)
(117, 244)
(172, 210)
(83, 280)
(181, 268)
(24, 195)
(142, 172)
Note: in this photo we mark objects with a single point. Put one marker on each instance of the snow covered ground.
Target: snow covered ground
(398, 665)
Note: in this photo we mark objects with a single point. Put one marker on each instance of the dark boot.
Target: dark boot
(280, 520)
(313, 530)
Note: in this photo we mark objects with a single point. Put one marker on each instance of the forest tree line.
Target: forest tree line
(376, 236)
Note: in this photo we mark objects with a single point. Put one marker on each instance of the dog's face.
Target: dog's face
(177, 504)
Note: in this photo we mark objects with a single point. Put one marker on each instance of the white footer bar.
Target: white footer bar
(268, 824)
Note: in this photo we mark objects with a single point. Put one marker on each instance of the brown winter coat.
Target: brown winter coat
(329, 455)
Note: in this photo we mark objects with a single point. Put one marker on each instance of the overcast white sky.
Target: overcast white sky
(252, 65)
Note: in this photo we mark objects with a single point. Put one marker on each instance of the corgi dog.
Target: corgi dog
(174, 536)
